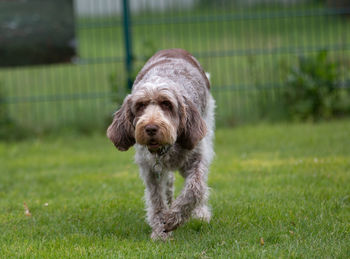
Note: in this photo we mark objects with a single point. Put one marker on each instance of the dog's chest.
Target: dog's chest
(170, 161)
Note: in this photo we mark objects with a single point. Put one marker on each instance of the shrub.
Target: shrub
(313, 89)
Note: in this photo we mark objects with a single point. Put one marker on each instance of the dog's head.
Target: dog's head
(156, 117)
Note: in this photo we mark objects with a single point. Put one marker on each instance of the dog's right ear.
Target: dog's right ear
(121, 132)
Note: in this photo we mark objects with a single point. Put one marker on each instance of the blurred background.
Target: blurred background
(68, 64)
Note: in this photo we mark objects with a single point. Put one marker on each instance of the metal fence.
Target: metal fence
(247, 46)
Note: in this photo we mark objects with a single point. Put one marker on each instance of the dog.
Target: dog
(169, 117)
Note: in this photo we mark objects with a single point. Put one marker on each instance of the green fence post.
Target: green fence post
(127, 42)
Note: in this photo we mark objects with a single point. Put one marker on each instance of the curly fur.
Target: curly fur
(169, 116)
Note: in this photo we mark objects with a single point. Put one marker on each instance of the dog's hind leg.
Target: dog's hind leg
(202, 211)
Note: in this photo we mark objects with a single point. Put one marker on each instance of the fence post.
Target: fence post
(127, 42)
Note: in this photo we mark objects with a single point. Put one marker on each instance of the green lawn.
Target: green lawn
(287, 184)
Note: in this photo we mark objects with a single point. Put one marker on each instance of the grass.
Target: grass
(259, 51)
(287, 184)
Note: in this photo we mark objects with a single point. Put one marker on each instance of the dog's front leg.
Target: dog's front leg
(156, 202)
(192, 195)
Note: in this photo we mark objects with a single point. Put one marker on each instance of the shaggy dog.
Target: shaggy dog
(169, 117)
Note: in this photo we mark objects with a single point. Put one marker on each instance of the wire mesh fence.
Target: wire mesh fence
(247, 46)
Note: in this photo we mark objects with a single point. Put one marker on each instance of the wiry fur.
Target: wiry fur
(170, 106)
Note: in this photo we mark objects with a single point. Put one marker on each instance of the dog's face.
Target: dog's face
(156, 117)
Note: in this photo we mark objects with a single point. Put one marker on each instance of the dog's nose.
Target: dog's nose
(151, 129)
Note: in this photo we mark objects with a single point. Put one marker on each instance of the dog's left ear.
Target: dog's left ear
(192, 126)
(121, 131)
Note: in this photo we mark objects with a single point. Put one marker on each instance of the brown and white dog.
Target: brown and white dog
(169, 116)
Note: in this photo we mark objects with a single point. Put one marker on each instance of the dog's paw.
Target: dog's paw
(172, 220)
(202, 213)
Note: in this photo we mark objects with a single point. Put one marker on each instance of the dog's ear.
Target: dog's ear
(192, 127)
(121, 131)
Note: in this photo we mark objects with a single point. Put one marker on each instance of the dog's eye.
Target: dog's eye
(166, 105)
(140, 106)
